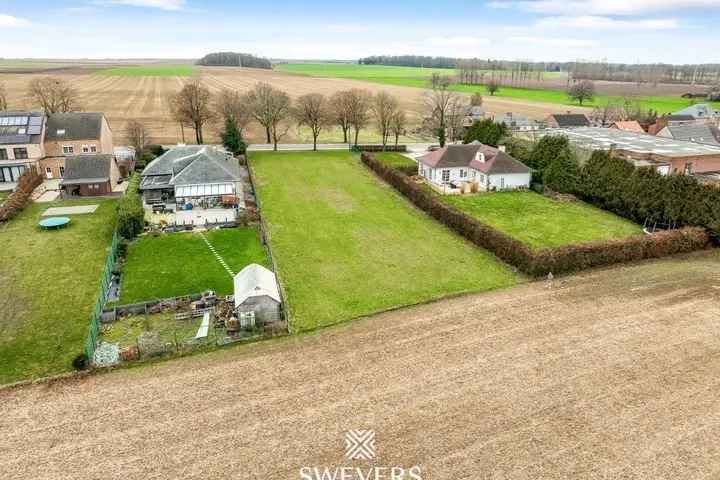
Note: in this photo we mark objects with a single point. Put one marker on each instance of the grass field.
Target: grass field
(48, 284)
(150, 71)
(542, 222)
(177, 264)
(418, 77)
(347, 245)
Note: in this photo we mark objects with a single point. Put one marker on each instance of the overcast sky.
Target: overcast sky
(673, 31)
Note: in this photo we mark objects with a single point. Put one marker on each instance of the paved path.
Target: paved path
(612, 374)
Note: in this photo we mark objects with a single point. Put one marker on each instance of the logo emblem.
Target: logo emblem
(360, 444)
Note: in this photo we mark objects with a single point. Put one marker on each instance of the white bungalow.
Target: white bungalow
(454, 168)
(256, 290)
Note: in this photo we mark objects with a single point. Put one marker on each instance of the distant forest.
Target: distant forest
(232, 59)
(707, 74)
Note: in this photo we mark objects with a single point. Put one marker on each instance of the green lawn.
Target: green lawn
(418, 77)
(395, 160)
(175, 264)
(48, 285)
(542, 222)
(150, 71)
(348, 245)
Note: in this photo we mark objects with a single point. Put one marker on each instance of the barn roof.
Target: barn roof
(255, 281)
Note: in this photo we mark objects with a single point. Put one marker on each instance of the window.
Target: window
(68, 149)
(3, 154)
(61, 132)
(463, 173)
(446, 175)
(689, 168)
(85, 149)
(62, 171)
(20, 153)
(93, 148)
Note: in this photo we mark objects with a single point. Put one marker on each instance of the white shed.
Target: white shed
(256, 290)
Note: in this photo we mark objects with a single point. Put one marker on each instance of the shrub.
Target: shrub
(80, 362)
(547, 149)
(131, 215)
(486, 131)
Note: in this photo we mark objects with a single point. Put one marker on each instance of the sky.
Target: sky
(628, 31)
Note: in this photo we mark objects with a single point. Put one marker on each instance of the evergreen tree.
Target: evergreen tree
(232, 138)
(562, 174)
(486, 131)
(548, 148)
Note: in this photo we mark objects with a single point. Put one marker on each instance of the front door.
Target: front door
(48, 173)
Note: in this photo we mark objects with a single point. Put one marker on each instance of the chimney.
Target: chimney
(501, 148)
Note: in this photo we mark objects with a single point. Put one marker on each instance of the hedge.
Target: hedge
(17, 200)
(540, 262)
(131, 215)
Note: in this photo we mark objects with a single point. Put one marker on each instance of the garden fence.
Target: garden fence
(266, 244)
(96, 316)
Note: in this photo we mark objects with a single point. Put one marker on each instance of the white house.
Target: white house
(456, 168)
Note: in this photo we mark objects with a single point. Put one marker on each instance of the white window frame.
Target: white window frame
(445, 175)
(68, 149)
(93, 148)
(85, 149)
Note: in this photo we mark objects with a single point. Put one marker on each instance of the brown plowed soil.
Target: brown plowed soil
(610, 374)
(145, 98)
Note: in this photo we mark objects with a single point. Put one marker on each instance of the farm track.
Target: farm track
(608, 374)
(144, 98)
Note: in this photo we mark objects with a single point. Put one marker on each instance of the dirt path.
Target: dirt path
(611, 374)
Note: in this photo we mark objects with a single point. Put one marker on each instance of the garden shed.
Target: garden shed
(256, 290)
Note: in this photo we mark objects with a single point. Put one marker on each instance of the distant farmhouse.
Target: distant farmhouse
(517, 123)
(704, 133)
(567, 120)
(455, 168)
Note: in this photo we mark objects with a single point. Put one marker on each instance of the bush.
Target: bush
(540, 263)
(546, 150)
(486, 131)
(131, 215)
(80, 362)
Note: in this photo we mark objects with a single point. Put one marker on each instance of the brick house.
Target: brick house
(71, 134)
(21, 144)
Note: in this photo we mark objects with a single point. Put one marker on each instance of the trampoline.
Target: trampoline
(54, 222)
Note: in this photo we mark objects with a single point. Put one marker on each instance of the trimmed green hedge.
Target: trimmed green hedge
(131, 216)
(541, 262)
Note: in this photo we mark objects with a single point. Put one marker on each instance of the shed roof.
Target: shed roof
(629, 126)
(255, 281)
(81, 169)
(74, 126)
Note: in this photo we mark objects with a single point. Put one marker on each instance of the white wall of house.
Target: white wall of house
(441, 176)
(510, 181)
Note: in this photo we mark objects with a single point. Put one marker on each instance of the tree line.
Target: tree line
(232, 59)
(352, 110)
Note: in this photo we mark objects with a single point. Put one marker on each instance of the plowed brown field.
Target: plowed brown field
(145, 98)
(610, 374)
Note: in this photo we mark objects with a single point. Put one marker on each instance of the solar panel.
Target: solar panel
(36, 121)
(35, 129)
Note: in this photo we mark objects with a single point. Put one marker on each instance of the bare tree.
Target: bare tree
(137, 136)
(582, 91)
(54, 95)
(269, 106)
(231, 104)
(384, 107)
(340, 111)
(192, 106)
(437, 104)
(492, 86)
(476, 100)
(3, 97)
(312, 110)
(397, 126)
(457, 111)
(439, 81)
(359, 102)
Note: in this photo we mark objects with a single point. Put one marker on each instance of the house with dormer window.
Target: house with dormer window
(454, 168)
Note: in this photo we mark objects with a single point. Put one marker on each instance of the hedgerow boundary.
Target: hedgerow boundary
(539, 263)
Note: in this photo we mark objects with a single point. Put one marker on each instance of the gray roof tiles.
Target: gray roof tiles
(190, 165)
(87, 169)
(76, 126)
(695, 132)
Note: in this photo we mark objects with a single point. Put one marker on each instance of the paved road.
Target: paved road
(611, 374)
